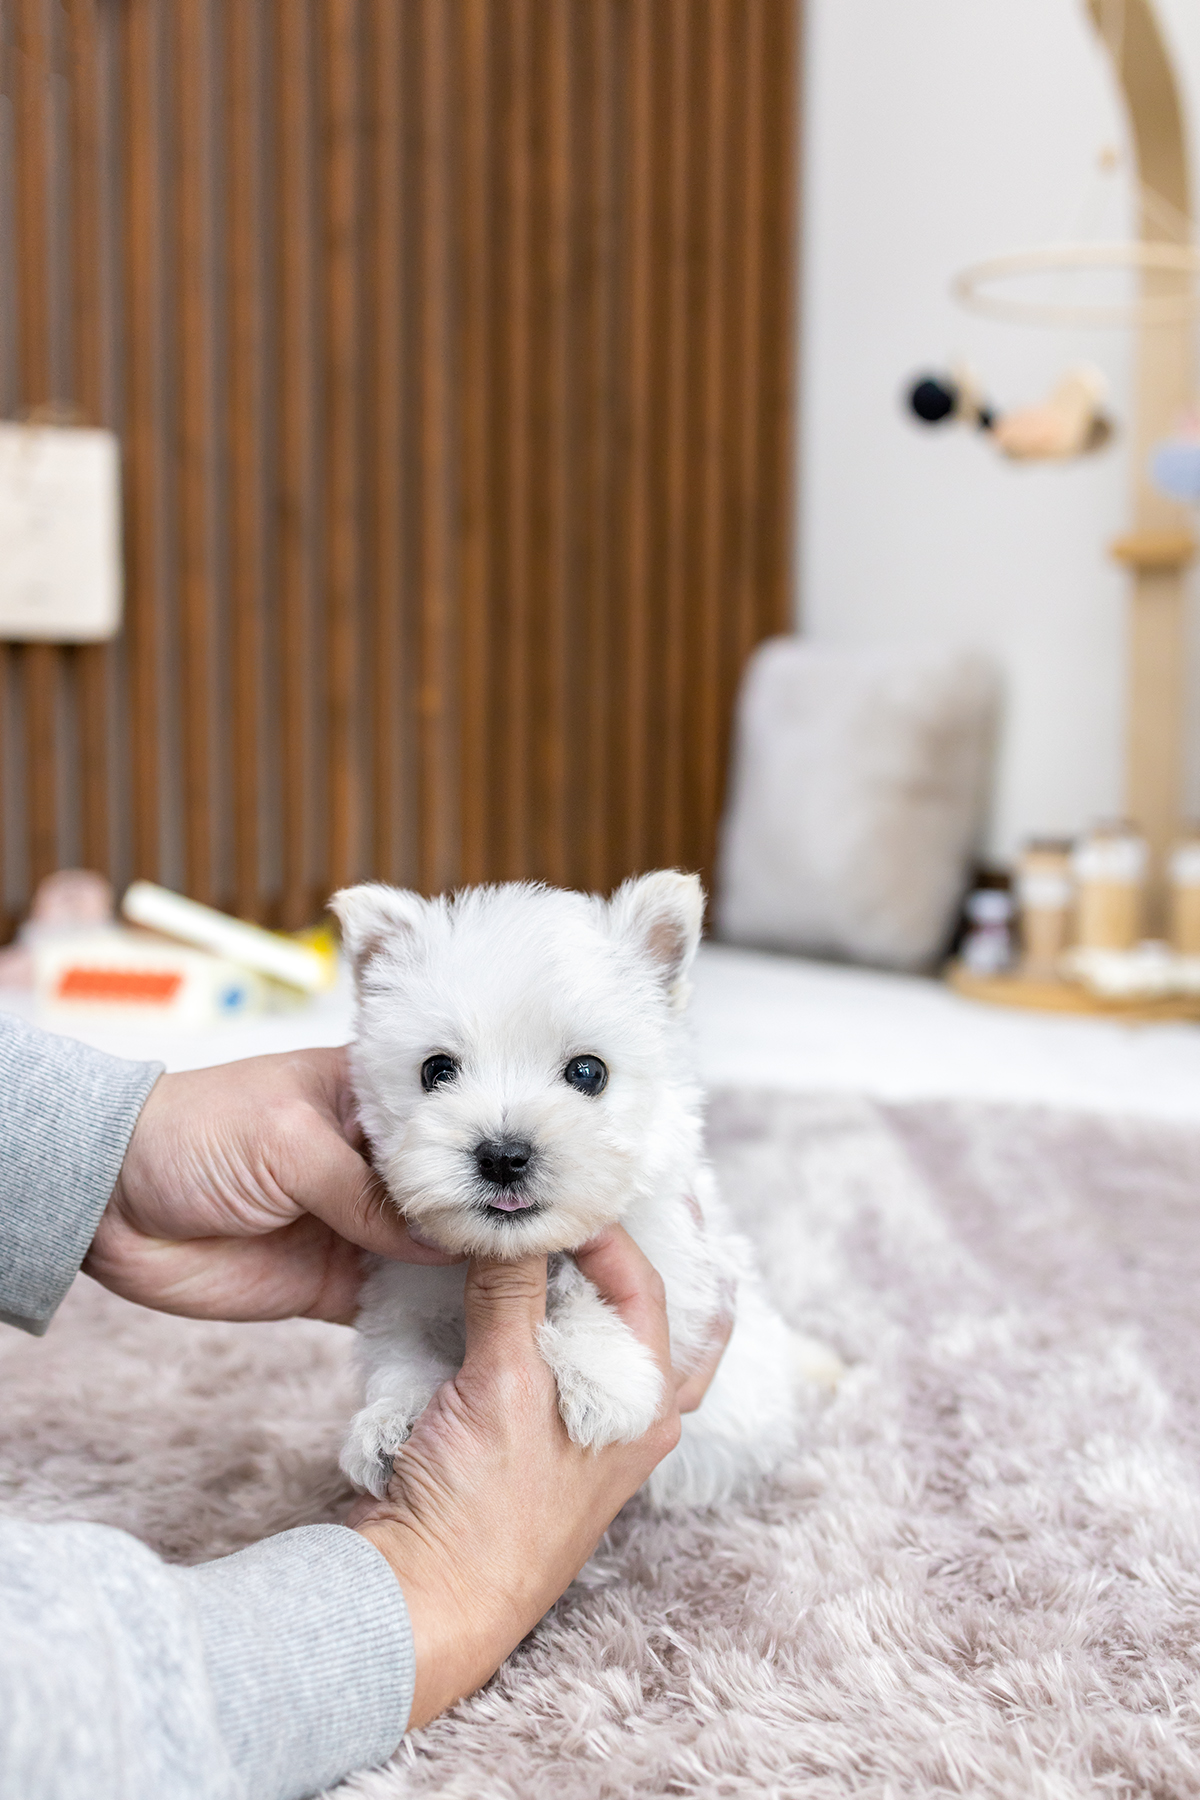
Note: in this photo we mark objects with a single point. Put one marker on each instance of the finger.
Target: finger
(300, 1270)
(694, 1386)
(505, 1303)
(338, 1186)
(632, 1286)
(338, 1183)
(339, 1088)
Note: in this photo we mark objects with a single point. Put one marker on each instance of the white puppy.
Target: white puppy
(523, 1077)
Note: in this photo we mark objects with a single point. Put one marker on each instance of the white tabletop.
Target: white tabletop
(783, 1022)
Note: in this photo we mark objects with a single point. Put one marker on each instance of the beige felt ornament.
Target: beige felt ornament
(1071, 422)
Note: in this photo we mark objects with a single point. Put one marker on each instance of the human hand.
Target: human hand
(243, 1195)
(492, 1510)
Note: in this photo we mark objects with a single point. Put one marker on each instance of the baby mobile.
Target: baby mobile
(1070, 422)
(1093, 910)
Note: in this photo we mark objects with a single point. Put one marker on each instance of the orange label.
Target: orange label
(147, 986)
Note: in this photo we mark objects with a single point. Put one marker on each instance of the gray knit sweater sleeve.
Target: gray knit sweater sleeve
(264, 1676)
(66, 1114)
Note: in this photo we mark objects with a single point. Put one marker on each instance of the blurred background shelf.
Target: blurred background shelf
(1041, 994)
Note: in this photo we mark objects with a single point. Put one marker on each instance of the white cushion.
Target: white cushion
(857, 800)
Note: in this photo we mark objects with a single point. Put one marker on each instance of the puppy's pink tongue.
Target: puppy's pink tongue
(509, 1203)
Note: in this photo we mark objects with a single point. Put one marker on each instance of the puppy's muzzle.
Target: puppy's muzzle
(502, 1164)
(503, 1161)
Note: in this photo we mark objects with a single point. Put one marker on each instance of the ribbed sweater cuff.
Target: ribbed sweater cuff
(67, 1113)
(309, 1652)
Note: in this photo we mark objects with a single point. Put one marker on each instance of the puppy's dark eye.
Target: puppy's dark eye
(587, 1074)
(436, 1071)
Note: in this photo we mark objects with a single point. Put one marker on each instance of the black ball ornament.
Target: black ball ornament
(933, 399)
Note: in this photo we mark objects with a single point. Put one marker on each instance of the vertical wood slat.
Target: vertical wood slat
(297, 542)
(637, 500)
(13, 796)
(391, 823)
(780, 52)
(598, 456)
(708, 735)
(91, 149)
(343, 570)
(683, 165)
(243, 185)
(29, 75)
(550, 422)
(142, 178)
(191, 107)
(452, 368)
(10, 824)
(756, 179)
(513, 522)
(477, 648)
(37, 664)
(437, 764)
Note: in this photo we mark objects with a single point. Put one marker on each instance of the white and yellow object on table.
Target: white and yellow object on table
(307, 962)
(112, 973)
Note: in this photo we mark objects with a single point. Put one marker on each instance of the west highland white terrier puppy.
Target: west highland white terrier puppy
(523, 1076)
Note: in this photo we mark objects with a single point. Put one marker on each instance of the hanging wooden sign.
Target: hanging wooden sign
(60, 534)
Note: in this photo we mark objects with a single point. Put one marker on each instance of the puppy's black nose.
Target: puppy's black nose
(502, 1160)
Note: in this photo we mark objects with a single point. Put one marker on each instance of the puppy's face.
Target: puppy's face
(516, 1060)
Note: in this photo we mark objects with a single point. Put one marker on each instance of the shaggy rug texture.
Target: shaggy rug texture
(980, 1574)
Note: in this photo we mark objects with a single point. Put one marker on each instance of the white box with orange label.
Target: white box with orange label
(131, 974)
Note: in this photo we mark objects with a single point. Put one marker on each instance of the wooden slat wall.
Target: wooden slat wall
(449, 345)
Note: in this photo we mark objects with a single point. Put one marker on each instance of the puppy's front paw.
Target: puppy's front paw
(594, 1417)
(376, 1433)
(609, 1387)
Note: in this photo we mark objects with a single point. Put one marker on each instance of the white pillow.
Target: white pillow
(857, 799)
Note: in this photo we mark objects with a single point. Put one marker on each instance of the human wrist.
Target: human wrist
(460, 1635)
(131, 1183)
(308, 1650)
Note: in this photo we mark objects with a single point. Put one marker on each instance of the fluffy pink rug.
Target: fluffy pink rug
(982, 1576)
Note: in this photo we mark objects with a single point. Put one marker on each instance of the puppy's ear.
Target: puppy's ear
(373, 916)
(662, 914)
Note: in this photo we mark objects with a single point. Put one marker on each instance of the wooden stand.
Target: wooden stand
(1040, 994)
(1160, 545)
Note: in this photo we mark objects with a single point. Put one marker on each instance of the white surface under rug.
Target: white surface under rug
(980, 1575)
(786, 1022)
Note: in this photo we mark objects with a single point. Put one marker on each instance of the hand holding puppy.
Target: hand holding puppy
(243, 1196)
(492, 1447)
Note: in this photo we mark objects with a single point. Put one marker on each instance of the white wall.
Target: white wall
(937, 132)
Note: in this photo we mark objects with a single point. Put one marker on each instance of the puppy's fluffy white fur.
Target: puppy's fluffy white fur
(511, 984)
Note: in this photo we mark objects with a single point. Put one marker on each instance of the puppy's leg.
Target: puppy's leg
(410, 1342)
(748, 1420)
(609, 1387)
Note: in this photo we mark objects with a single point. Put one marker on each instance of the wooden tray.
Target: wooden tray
(1040, 994)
